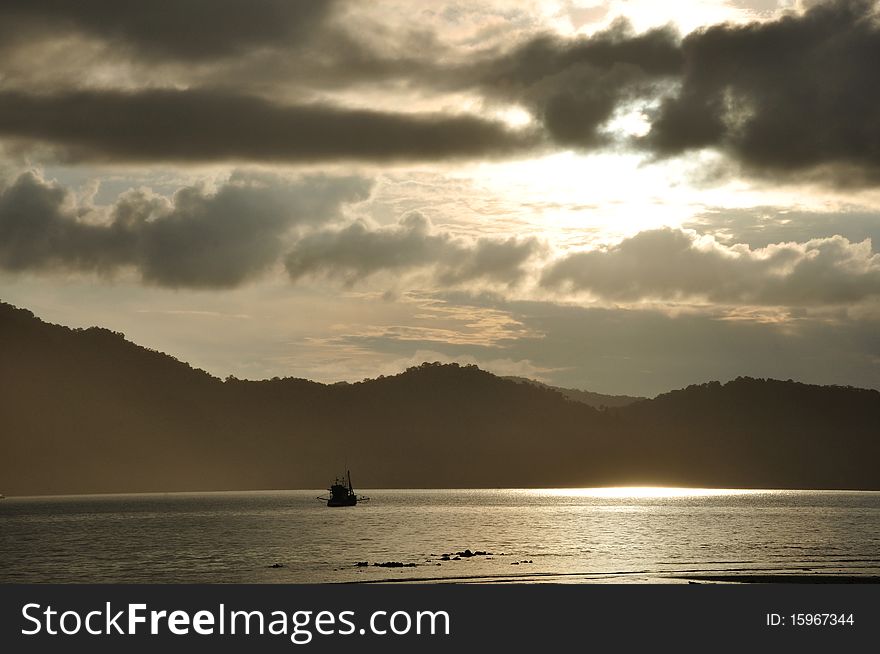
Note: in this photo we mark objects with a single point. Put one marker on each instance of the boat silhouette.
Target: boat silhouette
(342, 493)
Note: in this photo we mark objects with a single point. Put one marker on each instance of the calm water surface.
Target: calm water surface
(600, 535)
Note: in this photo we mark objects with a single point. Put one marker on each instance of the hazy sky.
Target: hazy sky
(625, 196)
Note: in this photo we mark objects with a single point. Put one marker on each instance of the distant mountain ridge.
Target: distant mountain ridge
(595, 400)
(84, 410)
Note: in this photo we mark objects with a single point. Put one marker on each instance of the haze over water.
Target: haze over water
(569, 535)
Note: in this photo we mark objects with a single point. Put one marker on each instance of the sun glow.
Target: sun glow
(615, 193)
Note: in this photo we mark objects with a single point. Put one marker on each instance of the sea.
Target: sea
(610, 535)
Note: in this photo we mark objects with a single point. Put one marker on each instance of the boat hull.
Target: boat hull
(349, 501)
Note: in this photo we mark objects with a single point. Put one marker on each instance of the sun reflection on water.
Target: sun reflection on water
(641, 492)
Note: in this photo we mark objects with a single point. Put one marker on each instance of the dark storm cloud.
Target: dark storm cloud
(181, 29)
(786, 96)
(668, 264)
(357, 251)
(202, 125)
(573, 86)
(198, 238)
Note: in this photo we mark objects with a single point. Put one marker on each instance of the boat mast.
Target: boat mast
(350, 489)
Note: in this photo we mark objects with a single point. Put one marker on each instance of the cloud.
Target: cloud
(791, 96)
(359, 251)
(146, 110)
(674, 265)
(201, 237)
(184, 29)
(39, 227)
(198, 238)
(207, 125)
(573, 86)
(223, 237)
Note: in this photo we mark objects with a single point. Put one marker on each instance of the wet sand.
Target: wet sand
(783, 579)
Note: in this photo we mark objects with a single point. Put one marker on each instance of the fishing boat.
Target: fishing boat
(342, 493)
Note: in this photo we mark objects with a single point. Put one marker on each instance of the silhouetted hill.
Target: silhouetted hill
(775, 433)
(595, 400)
(88, 411)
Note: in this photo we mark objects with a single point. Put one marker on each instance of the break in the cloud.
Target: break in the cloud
(211, 125)
(357, 251)
(674, 265)
(762, 226)
(573, 86)
(787, 96)
(198, 238)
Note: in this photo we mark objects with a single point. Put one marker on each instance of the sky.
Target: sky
(623, 196)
